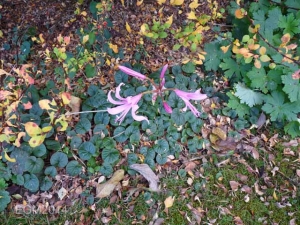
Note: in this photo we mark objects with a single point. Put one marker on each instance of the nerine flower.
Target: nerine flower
(186, 96)
(162, 83)
(167, 107)
(125, 104)
(132, 73)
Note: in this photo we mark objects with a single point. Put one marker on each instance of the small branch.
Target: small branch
(74, 113)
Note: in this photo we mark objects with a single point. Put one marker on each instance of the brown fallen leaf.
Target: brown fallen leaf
(261, 121)
(75, 103)
(105, 189)
(169, 201)
(149, 175)
(234, 185)
(219, 132)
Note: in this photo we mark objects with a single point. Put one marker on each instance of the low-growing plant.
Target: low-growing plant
(261, 63)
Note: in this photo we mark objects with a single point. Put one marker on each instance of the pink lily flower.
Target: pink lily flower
(167, 107)
(125, 104)
(186, 96)
(132, 73)
(162, 75)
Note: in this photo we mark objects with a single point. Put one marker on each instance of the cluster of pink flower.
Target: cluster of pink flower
(131, 102)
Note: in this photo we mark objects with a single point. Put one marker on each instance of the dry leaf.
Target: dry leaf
(298, 173)
(160, 2)
(191, 15)
(105, 189)
(169, 201)
(194, 4)
(220, 133)
(149, 175)
(75, 103)
(62, 193)
(234, 185)
(176, 2)
(261, 120)
(257, 189)
(128, 28)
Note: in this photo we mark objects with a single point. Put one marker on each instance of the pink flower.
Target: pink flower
(125, 104)
(132, 73)
(186, 96)
(167, 107)
(162, 75)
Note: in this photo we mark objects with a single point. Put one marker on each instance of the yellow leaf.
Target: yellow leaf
(85, 39)
(257, 64)
(107, 62)
(41, 38)
(160, 2)
(83, 13)
(4, 137)
(240, 13)
(194, 4)
(225, 48)
(262, 50)
(220, 133)
(66, 98)
(6, 156)
(104, 190)
(46, 129)
(169, 201)
(113, 47)
(191, 15)
(17, 141)
(1, 34)
(264, 58)
(143, 29)
(170, 20)
(138, 3)
(45, 104)
(123, 4)
(176, 2)
(128, 28)
(36, 140)
(275, 195)
(32, 129)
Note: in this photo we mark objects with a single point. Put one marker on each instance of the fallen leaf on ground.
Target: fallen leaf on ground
(105, 189)
(169, 201)
(234, 185)
(149, 175)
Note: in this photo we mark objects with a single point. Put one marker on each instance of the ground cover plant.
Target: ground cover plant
(178, 112)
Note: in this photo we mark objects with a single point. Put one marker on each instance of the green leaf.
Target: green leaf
(119, 134)
(197, 125)
(230, 67)
(161, 146)
(212, 59)
(163, 35)
(161, 158)
(121, 77)
(31, 182)
(4, 199)
(101, 118)
(53, 145)
(292, 4)
(189, 67)
(92, 37)
(178, 117)
(293, 129)
(20, 180)
(59, 159)
(291, 87)
(110, 155)
(83, 126)
(34, 165)
(46, 184)
(258, 79)
(51, 170)
(176, 47)
(75, 142)
(39, 151)
(73, 168)
(90, 71)
(248, 96)
(106, 169)
(290, 24)
(176, 70)
(279, 110)
(240, 108)
(86, 150)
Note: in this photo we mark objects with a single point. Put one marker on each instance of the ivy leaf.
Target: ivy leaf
(83, 126)
(73, 168)
(289, 24)
(31, 182)
(161, 146)
(110, 155)
(59, 159)
(189, 67)
(279, 110)
(248, 96)
(86, 150)
(291, 87)
(34, 165)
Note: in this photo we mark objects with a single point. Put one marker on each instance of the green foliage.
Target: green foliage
(260, 62)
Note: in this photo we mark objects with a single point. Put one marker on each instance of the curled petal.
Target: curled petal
(162, 75)
(187, 95)
(192, 108)
(118, 89)
(167, 107)
(111, 100)
(118, 109)
(132, 73)
(137, 117)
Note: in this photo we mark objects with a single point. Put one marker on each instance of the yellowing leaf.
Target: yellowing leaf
(83, 13)
(286, 38)
(113, 47)
(6, 156)
(191, 15)
(262, 50)
(138, 3)
(239, 13)
(66, 98)
(176, 2)
(194, 4)
(169, 201)
(220, 133)
(17, 141)
(225, 48)
(123, 4)
(257, 64)
(32, 129)
(144, 29)
(104, 190)
(128, 28)
(160, 2)
(107, 62)
(46, 129)
(85, 39)
(44, 104)
(36, 140)
(41, 38)
(264, 58)
(4, 137)
(1, 34)
(170, 20)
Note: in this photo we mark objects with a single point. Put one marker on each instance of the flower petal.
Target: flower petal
(118, 89)
(167, 107)
(111, 100)
(191, 107)
(132, 73)
(136, 117)
(188, 95)
(162, 75)
(118, 109)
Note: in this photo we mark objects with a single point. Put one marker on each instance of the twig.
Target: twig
(74, 113)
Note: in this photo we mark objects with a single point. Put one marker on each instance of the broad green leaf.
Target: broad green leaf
(110, 155)
(248, 96)
(31, 182)
(51, 170)
(240, 108)
(90, 71)
(161, 146)
(46, 184)
(83, 126)
(258, 79)
(106, 169)
(73, 168)
(4, 199)
(34, 165)
(189, 67)
(39, 151)
(119, 134)
(291, 87)
(86, 150)
(178, 117)
(59, 159)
